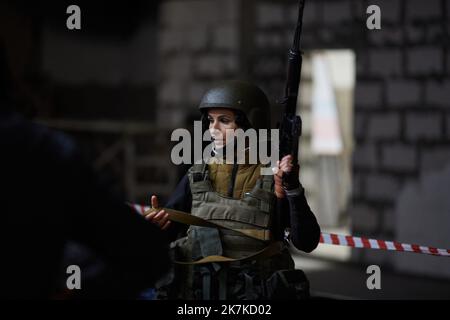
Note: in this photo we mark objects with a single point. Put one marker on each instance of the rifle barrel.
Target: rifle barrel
(298, 28)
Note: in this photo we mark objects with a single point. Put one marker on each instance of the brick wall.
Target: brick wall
(198, 44)
(402, 101)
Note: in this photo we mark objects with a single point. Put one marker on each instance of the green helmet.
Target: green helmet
(241, 96)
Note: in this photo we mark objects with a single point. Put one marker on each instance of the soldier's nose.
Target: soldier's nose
(215, 125)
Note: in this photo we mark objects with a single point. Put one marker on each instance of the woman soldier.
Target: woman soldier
(253, 211)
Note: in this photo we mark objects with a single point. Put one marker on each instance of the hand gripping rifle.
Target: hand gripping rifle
(291, 124)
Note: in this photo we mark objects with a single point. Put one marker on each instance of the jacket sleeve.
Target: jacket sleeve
(305, 231)
(181, 199)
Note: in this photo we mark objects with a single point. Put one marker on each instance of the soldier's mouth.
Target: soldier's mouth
(219, 143)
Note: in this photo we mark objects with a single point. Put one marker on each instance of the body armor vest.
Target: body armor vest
(252, 213)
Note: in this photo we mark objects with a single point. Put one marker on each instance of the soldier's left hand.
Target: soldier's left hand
(285, 165)
(290, 172)
(286, 176)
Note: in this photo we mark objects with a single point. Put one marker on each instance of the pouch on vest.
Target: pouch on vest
(206, 242)
(288, 284)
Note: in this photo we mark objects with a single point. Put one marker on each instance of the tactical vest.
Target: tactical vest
(253, 214)
(252, 211)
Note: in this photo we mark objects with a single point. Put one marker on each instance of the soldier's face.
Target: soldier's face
(221, 125)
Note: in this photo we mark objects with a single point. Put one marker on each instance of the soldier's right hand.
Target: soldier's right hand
(160, 218)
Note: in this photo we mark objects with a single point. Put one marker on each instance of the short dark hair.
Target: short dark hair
(242, 120)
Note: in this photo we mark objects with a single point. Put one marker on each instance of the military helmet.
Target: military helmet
(240, 96)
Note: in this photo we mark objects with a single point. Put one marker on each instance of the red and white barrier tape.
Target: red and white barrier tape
(359, 242)
(139, 208)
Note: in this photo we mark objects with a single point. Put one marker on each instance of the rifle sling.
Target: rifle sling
(188, 219)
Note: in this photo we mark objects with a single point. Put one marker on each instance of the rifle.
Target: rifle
(291, 124)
